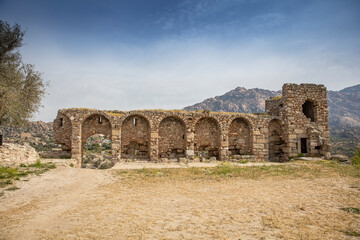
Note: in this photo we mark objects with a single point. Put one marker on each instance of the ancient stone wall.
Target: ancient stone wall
(304, 115)
(294, 123)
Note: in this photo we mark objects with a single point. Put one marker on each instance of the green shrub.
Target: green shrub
(243, 161)
(356, 159)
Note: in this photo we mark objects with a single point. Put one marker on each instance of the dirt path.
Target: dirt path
(68, 203)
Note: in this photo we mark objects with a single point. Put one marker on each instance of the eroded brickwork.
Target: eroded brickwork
(239, 137)
(63, 137)
(276, 142)
(207, 138)
(95, 124)
(135, 137)
(295, 123)
(172, 141)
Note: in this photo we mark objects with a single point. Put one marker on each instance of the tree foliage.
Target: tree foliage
(21, 87)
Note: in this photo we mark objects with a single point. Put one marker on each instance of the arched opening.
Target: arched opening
(207, 138)
(135, 138)
(62, 132)
(309, 110)
(239, 137)
(276, 142)
(96, 142)
(172, 138)
(97, 152)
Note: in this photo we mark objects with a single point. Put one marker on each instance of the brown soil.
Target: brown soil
(69, 203)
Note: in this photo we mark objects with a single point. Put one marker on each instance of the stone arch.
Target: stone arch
(207, 137)
(240, 137)
(63, 131)
(309, 110)
(95, 124)
(172, 137)
(135, 137)
(276, 142)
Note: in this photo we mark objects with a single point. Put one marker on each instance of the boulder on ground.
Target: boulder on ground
(106, 164)
(340, 158)
(212, 159)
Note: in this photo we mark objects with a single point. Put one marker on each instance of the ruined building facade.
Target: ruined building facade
(296, 122)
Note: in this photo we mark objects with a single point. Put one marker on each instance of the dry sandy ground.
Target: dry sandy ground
(69, 203)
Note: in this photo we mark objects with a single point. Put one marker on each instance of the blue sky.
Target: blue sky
(139, 54)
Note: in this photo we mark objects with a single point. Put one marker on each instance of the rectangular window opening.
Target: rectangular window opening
(134, 122)
(61, 122)
(100, 120)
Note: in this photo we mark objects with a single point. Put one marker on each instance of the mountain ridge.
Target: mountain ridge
(344, 105)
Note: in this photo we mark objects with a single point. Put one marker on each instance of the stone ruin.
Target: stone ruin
(294, 123)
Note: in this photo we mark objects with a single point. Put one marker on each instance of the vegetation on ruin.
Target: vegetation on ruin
(21, 87)
(276, 98)
(115, 114)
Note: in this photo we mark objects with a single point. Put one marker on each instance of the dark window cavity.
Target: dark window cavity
(308, 110)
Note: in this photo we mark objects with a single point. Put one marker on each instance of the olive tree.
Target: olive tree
(21, 87)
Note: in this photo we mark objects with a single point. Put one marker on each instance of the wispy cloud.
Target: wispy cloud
(268, 20)
(193, 14)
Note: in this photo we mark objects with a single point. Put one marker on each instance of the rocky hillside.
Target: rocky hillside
(39, 134)
(35, 129)
(344, 106)
(238, 100)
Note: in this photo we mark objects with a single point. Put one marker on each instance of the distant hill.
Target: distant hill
(344, 111)
(344, 106)
(39, 134)
(238, 100)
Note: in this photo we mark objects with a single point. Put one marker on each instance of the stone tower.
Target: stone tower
(303, 112)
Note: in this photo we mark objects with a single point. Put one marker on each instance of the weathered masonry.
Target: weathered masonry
(294, 123)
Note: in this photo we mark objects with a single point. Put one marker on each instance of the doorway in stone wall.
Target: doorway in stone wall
(303, 144)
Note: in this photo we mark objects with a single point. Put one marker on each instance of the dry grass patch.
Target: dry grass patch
(295, 169)
(299, 200)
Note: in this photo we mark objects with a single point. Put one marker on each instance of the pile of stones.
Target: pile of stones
(15, 154)
(97, 161)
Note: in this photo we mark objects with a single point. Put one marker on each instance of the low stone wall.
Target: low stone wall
(55, 154)
(15, 154)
